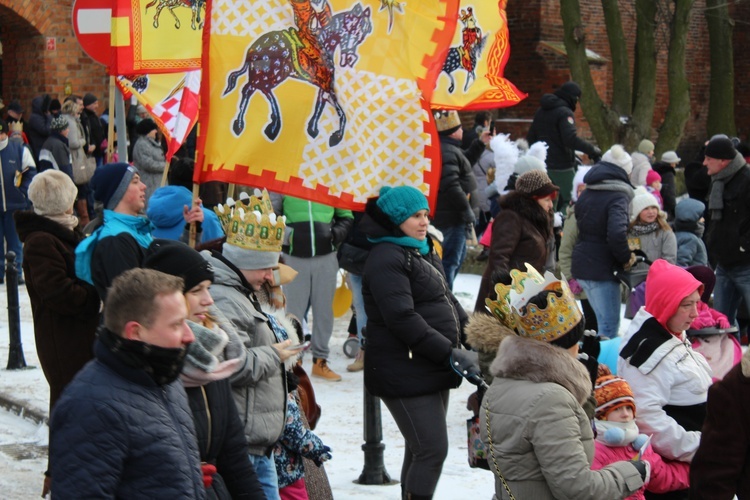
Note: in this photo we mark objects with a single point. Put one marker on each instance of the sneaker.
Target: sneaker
(321, 370)
(359, 362)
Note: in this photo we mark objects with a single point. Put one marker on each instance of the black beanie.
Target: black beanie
(178, 259)
(569, 92)
(145, 126)
(721, 149)
(89, 99)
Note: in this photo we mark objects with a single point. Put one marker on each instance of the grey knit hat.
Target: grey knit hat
(250, 260)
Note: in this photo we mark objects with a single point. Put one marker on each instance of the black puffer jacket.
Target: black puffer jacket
(603, 215)
(725, 237)
(221, 442)
(554, 123)
(456, 181)
(413, 319)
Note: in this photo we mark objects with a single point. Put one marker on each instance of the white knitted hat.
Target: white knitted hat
(52, 192)
(642, 199)
(618, 156)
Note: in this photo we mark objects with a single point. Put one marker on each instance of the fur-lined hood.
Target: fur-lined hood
(484, 332)
(520, 358)
(529, 209)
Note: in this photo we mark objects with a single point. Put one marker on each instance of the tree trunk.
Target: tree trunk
(678, 109)
(602, 120)
(621, 93)
(644, 86)
(721, 95)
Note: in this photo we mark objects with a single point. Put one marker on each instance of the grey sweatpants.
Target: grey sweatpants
(314, 287)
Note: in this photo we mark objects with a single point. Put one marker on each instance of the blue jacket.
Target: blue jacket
(14, 198)
(115, 433)
(165, 213)
(602, 213)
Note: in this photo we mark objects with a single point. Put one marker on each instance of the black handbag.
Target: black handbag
(352, 258)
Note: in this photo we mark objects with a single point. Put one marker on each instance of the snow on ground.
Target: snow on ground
(340, 425)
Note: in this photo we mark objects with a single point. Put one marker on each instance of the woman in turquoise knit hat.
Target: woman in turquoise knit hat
(414, 332)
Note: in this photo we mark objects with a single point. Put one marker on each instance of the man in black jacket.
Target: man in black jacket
(554, 123)
(728, 225)
(95, 128)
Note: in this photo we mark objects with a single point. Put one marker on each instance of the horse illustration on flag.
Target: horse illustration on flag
(194, 5)
(305, 52)
(466, 55)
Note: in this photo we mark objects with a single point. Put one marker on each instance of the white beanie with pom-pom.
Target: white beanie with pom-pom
(618, 156)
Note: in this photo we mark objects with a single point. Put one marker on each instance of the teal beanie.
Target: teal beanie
(400, 203)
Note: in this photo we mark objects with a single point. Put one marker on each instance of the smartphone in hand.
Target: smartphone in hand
(303, 346)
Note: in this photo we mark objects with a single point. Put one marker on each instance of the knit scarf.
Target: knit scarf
(641, 229)
(114, 223)
(68, 221)
(613, 185)
(405, 241)
(716, 197)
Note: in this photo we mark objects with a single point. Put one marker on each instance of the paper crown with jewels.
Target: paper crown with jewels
(251, 223)
(546, 324)
(446, 120)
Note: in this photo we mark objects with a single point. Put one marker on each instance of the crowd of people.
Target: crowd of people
(177, 371)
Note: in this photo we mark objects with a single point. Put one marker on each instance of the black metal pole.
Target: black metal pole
(16, 360)
(374, 470)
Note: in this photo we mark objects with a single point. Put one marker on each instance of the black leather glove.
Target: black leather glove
(590, 344)
(466, 364)
(596, 155)
(592, 366)
(644, 469)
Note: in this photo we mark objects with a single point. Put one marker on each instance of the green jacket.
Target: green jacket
(312, 228)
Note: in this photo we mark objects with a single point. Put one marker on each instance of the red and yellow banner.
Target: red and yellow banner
(471, 75)
(156, 36)
(322, 99)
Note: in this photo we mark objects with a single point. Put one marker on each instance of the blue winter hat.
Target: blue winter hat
(400, 203)
(110, 182)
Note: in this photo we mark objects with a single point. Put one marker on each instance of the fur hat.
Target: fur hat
(447, 122)
(612, 392)
(145, 126)
(52, 192)
(642, 200)
(533, 159)
(178, 259)
(646, 147)
(578, 180)
(401, 202)
(670, 157)
(652, 176)
(89, 99)
(110, 182)
(59, 123)
(536, 183)
(720, 149)
(617, 156)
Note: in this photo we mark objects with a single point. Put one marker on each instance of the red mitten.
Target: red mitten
(208, 474)
(574, 286)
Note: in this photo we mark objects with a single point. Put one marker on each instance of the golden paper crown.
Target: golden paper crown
(446, 120)
(545, 324)
(251, 224)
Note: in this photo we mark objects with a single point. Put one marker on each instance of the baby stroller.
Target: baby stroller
(635, 281)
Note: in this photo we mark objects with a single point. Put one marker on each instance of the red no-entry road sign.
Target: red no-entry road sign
(92, 24)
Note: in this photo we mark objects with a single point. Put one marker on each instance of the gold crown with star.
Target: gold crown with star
(540, 323)
(251, 223)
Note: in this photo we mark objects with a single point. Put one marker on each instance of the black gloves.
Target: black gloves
(589, 353)
(597, 155)
(466, 364)
(644, 469)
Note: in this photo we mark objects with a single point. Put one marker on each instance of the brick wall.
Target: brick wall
(29, 69)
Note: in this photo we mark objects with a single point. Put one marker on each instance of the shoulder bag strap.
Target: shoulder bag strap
(492, 452)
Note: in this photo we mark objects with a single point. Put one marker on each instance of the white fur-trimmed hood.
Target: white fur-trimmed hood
(526, 359)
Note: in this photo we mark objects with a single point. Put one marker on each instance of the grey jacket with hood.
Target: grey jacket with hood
(259, 386)
(541, 438)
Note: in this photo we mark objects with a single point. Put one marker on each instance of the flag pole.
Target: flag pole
(193, 233)
(111, 124)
